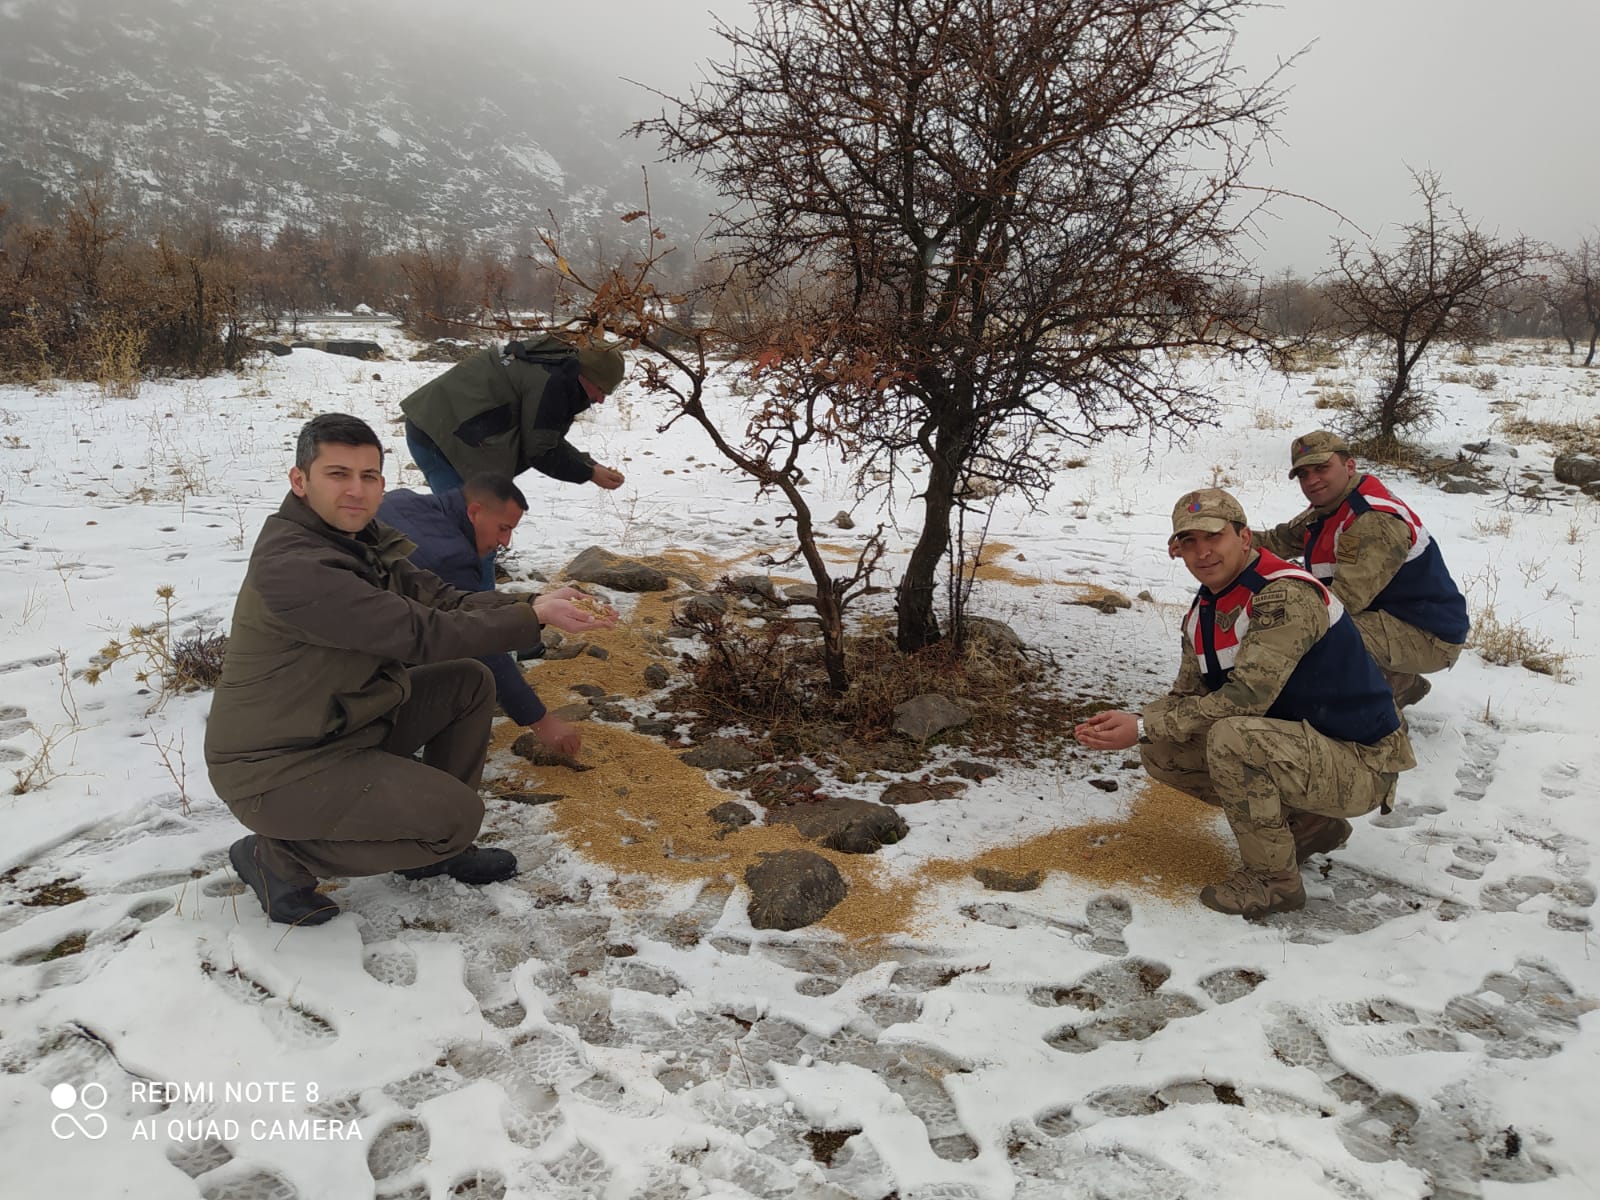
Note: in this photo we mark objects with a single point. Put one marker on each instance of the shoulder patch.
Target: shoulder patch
(1349, 547)
(1267, 614)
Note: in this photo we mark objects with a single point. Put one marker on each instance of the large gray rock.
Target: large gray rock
(599, 566)
(730, 815)
(703, 607)
(1578, 469)
(1464, 487)
(995, 633)
(923, 716)
(347, 347)
(759, 586)
(720, 754)
(792, 888)
(848, 826)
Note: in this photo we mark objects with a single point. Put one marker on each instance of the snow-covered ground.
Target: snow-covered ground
(1422, 1028)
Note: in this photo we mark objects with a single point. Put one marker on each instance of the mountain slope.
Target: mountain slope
(259, 113)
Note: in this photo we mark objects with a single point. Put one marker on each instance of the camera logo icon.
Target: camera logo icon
(67, 1124)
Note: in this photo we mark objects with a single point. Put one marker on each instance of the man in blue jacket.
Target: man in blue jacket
(455, 532)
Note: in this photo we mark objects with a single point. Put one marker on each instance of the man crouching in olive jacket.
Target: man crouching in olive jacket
(343, 661)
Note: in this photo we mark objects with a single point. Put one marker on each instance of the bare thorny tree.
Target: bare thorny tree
(625, 301)
(994, 224)
(1440, 285)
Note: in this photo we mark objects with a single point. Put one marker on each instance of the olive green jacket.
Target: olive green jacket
(492, 412)
(324, 628)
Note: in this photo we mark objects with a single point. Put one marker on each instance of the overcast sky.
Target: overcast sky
(1495, 95)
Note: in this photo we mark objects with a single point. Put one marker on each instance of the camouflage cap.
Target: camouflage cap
(603, 365)
(1315, 448)
(1209, 510)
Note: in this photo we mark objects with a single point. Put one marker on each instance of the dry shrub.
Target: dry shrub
(1303, 357)
(1339, 398)
(771, 677)
(1565, 437)
(1510, 643)
(1393, 452)
(166, 664)
(114, 353)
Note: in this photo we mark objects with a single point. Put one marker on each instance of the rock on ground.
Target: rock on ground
(792, 888)
(923, 716)
(720, 754)
(600, 566)
(848, 826)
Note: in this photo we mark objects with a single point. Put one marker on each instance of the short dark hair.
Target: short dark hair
(491, 485)
(339, 428)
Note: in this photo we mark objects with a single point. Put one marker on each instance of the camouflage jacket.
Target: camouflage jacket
(1291, 618)
(1372, 550)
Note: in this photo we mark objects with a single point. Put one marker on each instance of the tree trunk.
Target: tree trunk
(1594, 336)
(918, 623)
(1389, 410)
(831, 618)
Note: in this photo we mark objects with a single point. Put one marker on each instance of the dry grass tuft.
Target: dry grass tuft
(1565, 437)
(1510, 643)
(1340, 399)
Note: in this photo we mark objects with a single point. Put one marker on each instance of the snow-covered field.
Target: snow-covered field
(1423, 1028)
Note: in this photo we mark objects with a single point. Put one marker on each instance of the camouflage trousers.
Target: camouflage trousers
(1401, 649)
(1257, 770)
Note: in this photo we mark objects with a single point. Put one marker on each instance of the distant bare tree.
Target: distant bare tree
(1292, 307)
(436, 295)
(1440, 285)
(1579, 274)
(988, 221)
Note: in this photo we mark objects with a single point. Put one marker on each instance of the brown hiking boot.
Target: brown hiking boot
(1316, 834)
(1252, 893)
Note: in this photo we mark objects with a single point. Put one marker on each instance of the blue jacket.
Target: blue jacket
(1335, 687)
(448, 547)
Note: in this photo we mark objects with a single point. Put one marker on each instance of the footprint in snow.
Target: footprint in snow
(295, 1024)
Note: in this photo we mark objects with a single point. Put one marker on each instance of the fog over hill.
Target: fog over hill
(422, 120)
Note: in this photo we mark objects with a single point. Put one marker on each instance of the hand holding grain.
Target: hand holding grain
(578, 615)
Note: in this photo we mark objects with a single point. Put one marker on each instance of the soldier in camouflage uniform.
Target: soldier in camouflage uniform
(1278, 715)
(1376, 556)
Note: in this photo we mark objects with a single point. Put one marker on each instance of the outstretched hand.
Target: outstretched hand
(557, 735)
(571, 616)
(1110, 730)
(607, 478)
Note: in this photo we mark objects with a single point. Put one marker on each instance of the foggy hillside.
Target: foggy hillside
(433, 120)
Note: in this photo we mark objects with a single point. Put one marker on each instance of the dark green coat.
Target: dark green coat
(495, 412)
(323, 629)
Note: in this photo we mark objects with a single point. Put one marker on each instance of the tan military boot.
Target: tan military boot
(1316, 834)
(1250, 892)
(1408, 689)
